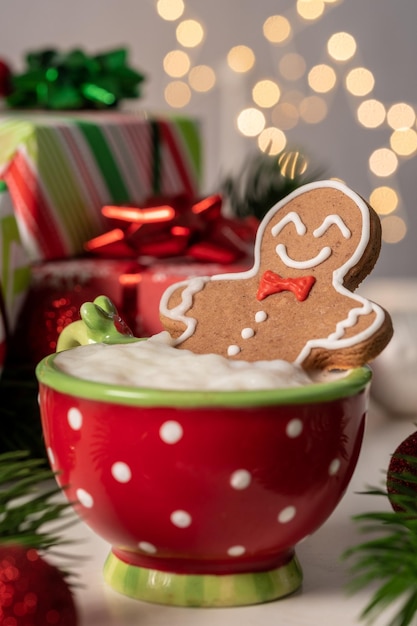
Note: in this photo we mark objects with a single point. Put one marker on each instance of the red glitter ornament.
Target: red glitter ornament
(32, 591)
(401, 471)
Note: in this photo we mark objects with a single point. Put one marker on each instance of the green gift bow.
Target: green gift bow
(74, 80)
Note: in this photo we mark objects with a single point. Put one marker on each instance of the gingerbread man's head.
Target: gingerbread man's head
(325, 229)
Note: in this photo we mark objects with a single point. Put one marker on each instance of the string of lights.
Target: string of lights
(299, 94)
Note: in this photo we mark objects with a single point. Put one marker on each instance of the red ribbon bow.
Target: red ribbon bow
(274, 283)
(175, 226)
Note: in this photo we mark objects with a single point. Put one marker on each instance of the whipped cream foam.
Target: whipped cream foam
(155, 363)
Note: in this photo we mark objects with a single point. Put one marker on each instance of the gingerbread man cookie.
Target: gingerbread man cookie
(296, 303)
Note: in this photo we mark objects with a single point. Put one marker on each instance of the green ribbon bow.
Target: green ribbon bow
(74, 80)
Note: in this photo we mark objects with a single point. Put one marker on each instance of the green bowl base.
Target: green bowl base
(201, 590)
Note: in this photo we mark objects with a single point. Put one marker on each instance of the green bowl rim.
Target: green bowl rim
(50, 375)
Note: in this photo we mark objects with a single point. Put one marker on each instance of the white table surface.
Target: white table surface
(323, 599)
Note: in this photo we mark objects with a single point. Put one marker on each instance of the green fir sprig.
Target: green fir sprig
(389, 559)
(29, 506)
(263, 180)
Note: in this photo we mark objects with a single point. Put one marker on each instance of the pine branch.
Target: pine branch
(390, 557)
(25, 508)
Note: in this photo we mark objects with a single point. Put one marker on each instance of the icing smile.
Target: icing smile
(324, 254)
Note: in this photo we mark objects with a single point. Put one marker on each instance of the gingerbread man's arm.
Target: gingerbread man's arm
(357, 339)
(176, 301)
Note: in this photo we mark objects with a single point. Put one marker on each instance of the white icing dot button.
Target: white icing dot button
(334, 467)
(240, 479)
(84, 498)
(121, 472)
(247, 333)
(171, 432)
(287, 514)
(181, 519)
(233, 350)
(75, 418)
(260, 316)
(145, 546)
(236, 550)
(294, 428)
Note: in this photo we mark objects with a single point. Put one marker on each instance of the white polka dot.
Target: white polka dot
(121, 472)
(145, 546)
(233, 350)
(247, 333)
(236, 550)
(75, 418)
(334, 467)
(240, 479)
(171, 431)
(287, 514)
(182, 519)
(85, 498)
(294, 428)
(260, 316)
(51, 455)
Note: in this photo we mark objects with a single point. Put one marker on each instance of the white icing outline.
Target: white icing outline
(293, 218)
(281, 251)
(334, 340)
(328, 221)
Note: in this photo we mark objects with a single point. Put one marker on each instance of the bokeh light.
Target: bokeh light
(394, 229)
(292, 164)
(277, 29)
(313, 109)
(310, 9)
(341, 46)
(190, 33)
(272, 140)
(176, 63)
(202, 78)
(384, 200)
(383, 162)
(401, 116)
(170, 10)
(285, 115)
(293, 96)
(251, 122)
(404, 142)
(266, 93)
(322, 78)
(177, 94)
(241, 59)
(371, 113)
(292, 66)
(360, 81)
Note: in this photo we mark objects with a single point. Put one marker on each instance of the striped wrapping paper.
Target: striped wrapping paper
(61, 170)
(14, 270)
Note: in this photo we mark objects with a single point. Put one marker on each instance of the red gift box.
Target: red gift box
(58, 290)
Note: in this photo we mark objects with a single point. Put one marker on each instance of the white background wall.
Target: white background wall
(387, 45)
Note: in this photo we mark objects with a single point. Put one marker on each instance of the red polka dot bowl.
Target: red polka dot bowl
(203, 496)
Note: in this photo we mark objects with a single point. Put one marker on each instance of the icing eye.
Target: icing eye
(293, 218)
(329, 220)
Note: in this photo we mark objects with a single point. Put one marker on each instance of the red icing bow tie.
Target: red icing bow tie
(273, 283)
